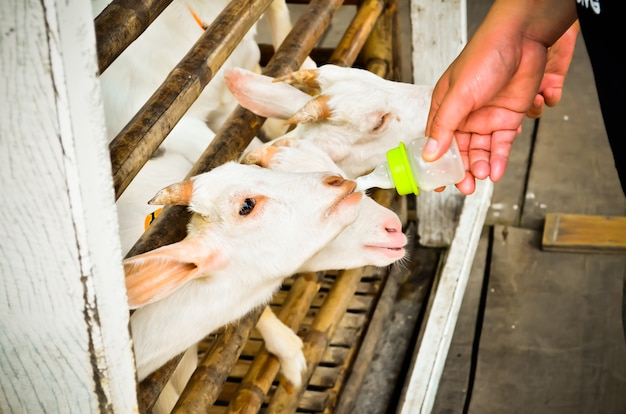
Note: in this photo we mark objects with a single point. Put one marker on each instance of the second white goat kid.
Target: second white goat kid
(375, 238)
(248, 232)
(355, 117)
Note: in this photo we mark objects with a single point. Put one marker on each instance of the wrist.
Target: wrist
(543, 21)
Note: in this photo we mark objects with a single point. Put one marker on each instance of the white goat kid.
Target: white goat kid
(375, 238)
(355, 117)
(244, 239)
(167, 167)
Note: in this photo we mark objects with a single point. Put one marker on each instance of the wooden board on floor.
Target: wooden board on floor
(552, 338)
(584, 233)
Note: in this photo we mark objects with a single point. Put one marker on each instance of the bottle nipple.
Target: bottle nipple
(379, 178)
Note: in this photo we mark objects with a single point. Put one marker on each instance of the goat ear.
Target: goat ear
(156, 274)
(261, 95)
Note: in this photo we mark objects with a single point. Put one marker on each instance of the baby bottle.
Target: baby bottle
(407, 171)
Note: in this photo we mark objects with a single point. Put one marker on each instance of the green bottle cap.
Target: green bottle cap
(401, 171)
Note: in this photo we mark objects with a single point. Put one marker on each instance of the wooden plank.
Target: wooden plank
(572, 166)
(403, 41)
(421, 389)
(455, 383)
(439, 32)
(584, 234)
(551, 338)
(64, 338)
(508, 193)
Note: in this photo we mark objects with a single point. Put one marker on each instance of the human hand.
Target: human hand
(559, 58)
(485, 93)
(482, 99)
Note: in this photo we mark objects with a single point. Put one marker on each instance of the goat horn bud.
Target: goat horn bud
(263, 156)
(315, 110)
(305, 80)
(176, 194)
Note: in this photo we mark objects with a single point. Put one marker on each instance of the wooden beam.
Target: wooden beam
(439, 32)
(424, 376)
(584, 233)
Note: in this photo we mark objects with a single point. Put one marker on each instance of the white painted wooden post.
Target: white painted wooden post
(64, 337)
(439, 32)
(422, 382)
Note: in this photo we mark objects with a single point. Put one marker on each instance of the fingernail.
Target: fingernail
(430, 149)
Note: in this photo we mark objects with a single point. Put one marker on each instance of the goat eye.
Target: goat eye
(381, 122)
(247, 206)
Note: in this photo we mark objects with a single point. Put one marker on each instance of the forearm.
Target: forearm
(541, 20)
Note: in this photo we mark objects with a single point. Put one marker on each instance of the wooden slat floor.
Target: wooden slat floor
(539, 331)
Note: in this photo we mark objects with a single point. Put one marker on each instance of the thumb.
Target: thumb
(442, 123)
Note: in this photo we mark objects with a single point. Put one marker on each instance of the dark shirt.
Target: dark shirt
(600, 24)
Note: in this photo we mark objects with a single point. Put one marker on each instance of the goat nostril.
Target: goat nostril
(334, 180)
(392, 226)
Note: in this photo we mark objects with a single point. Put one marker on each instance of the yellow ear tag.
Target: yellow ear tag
(150, 217)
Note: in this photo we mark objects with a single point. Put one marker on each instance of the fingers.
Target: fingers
(484, 156)
(479, 154)
(468, 185)
(552, 95)
(536, 109)
(558, 61)
(501, 145)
